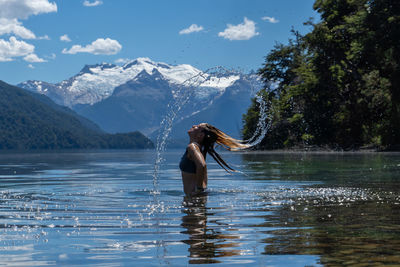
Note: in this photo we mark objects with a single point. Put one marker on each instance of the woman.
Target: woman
(193, 163)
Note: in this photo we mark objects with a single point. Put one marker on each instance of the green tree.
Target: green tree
(338, 85)
(34, 122)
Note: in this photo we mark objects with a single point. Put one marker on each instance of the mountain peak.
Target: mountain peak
(101, 66)
(145, 76)
(140, 61)
(142, 75)
(97, 82)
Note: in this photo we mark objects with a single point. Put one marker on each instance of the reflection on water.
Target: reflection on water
(207, 244)
(350, 217)
(288, 209)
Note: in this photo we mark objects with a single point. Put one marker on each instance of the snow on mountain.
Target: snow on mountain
(95, 83)
(139, 94)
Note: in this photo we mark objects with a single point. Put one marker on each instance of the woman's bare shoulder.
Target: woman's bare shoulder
(193, 146)
(193, 149)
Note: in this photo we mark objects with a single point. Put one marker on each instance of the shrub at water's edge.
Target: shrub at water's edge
(127, 140)
(28, 122)
(339, 85)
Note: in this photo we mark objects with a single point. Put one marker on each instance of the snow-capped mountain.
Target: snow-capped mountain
(136, 96)
(95, 83)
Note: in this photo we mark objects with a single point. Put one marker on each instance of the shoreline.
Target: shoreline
(255, 151)
(320, 151)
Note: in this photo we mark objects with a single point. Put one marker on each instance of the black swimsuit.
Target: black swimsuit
(187, 165)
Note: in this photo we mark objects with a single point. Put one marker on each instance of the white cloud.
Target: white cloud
(242, 31)
(65, 38)
(51, 56)
(122, 60)
(34, 58)
(31, 66)
(270, 19)
(192, 28)
(44, 37)
(22, 9)
(99, 47)
(13, 10)
(14, 48)
(13, 26)
(90, 4)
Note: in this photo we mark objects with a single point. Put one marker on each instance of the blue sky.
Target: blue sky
(51, 40)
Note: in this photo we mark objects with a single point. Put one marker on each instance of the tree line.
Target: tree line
(30, 122)
(337, 86)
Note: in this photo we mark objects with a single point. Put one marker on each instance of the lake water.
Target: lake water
(285, 209)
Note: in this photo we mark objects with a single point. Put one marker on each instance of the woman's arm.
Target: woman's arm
(201, 166)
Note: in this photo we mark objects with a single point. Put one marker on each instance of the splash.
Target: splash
(263, 124)
(265, 114)
(182, 94)
(185, 91)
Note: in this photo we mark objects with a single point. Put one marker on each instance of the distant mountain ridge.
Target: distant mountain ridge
(97, 82)
(138, 104)
(31, 121)
(135, 96)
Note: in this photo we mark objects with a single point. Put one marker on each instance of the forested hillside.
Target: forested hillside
(339, 85)
(34, 122)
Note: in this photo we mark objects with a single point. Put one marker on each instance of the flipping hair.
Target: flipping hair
(214, 135)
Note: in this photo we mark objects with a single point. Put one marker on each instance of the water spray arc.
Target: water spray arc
(263, 124)
(183, 93)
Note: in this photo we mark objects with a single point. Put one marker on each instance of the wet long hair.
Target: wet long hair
(214, 135)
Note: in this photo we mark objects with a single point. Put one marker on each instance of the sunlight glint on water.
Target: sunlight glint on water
(290, 210)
